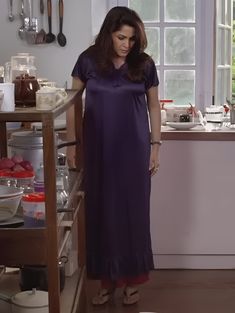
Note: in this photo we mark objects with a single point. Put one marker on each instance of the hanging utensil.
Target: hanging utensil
(50, 37)
(61, 37)
(41, 35)
(10, 15)
(32, 28)
(21, 30)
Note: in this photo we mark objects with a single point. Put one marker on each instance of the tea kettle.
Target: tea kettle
(25, 90)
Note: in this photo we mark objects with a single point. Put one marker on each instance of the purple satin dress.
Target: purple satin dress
(117, 179)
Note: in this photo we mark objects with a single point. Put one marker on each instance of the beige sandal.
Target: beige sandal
(102, 297)
(131, 295)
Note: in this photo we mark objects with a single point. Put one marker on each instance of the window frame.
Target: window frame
(204, 50)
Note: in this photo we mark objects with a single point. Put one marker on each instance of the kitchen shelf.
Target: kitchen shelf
(43, 246)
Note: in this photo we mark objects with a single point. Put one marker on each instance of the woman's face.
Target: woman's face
(123, 40)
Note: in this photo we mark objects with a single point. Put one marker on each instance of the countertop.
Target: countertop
(210, 132)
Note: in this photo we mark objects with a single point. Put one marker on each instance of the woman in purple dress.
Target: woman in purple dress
(121, 134)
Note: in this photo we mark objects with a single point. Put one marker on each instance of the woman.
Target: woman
(120, 155)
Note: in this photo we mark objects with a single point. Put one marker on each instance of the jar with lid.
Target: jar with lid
(23, 63)
(34, 209)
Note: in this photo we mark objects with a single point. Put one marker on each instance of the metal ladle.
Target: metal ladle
(10, 15)
(21, 30)
(61, 37)
(50, 37)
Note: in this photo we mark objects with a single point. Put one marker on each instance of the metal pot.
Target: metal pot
(28, 144)
(37, 277)
(30, 301)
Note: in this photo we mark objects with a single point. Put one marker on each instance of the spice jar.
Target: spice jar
(34, 209)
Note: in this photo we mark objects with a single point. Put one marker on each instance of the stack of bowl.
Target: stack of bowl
(9, 201)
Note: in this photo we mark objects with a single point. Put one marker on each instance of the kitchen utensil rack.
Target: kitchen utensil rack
(43, 246)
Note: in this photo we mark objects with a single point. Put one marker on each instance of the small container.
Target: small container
(34, 210)
(39, 186)
(1, 74)
(23, 63)
(184, 118)
(45, 99)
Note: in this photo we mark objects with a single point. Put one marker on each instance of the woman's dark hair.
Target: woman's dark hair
(103, 47)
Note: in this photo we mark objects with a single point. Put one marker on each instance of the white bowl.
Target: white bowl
(8, 207)
(7, 192)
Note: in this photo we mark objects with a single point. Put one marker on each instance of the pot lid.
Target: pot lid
(26, 138)
(31, 299)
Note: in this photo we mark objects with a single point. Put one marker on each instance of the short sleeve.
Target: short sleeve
(151, 77)
(82, 68)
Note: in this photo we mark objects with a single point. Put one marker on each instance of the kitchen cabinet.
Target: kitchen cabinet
(192, 200)
(43, 246)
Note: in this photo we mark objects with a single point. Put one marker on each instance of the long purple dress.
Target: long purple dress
(117, 178)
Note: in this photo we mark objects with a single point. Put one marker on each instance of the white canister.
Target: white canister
(30, 301)
(8, 103)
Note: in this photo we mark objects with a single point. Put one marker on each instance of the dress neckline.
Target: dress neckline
(120, 67)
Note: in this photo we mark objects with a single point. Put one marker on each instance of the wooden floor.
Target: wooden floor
(177, 291)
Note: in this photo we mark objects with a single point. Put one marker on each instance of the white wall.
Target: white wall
(52, 61)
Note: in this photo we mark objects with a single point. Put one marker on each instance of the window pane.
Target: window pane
(228, 12)
(220, 87)
(180, 86)
(228, 83)
(220, 11)
(180, 10)
(227, 46)
(153, 48)
(148, 11)
(220, 43)
(180, 46)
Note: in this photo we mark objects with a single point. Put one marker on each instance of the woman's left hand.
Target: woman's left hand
(154, 160)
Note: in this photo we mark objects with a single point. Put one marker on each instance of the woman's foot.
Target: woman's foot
(131, 295)
(102, 297)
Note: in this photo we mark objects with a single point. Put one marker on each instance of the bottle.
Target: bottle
(1, 74)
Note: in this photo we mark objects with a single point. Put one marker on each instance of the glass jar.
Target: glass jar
(23, 63)
(62, 185)
(24, 180)
(8, 181)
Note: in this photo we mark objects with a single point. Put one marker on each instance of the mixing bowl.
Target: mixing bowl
(9, 206)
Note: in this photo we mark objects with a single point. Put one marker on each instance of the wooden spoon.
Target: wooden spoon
(50, 37)
(61, 37)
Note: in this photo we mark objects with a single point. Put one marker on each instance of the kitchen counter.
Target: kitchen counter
(200, 133)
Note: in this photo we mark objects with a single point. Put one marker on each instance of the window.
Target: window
(181, 40)
(223, 57)
(176, 31)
